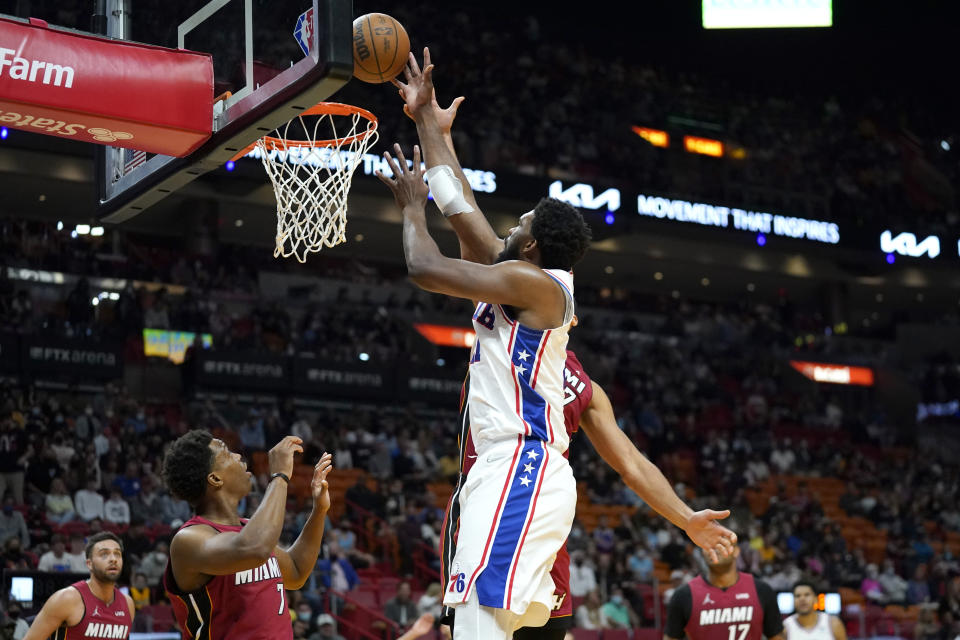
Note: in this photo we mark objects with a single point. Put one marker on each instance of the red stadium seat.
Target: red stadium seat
(616, 634)
(586, 634)
(647, 633)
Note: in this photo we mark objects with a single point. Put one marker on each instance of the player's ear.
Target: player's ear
(214, 479)
(529, 247)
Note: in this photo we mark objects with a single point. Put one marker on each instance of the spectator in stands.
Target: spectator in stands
(173, 511)
(146, 506)
(154, 564)
(326, 628)
(116, 510)
(677, 580)
(431, 600)
(603, 536)
(590, 614)
(870, 587)
(136, 543)
(782, 459)
(894, 587)
(77, 555)
(304, 613)
(63, 451)
(12, 523)
(927, 627)
(918, 588)
(59, 504)
(619, 613)
(56, 559)
(641, 563)
(583, 579)
(14, 556)
(299, 630)
(42, 467)
(251, 431)
(949, 608)
(140, 591)
(401, 609)
(88, 502)
(14, 622)
(129, 482)
(13, 448)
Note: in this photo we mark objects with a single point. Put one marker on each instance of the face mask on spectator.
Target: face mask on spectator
(304, 615)
(617, 600)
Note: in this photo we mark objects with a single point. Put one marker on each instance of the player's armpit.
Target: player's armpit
(201, 550)
(63, 607)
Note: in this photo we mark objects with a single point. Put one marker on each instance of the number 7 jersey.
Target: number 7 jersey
(516, 375)
(246, 605)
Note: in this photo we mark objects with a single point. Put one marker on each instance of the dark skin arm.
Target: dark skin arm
(298, 561)
(641, 475)
(537, 298)
(198, 552)
(478, 241)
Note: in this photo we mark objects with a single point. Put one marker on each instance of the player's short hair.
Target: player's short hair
(187, 464)
(100, 537)
(804, 583)
(561, 234)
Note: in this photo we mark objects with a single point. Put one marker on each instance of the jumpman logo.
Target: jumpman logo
(708, 600)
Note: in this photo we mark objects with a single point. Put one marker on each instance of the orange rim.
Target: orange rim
(323, 108)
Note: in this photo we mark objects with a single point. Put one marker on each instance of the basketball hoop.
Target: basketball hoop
(311, 167)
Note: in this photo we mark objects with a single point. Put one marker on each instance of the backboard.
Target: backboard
(272, 58)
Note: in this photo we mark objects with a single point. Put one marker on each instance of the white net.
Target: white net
(311, 177)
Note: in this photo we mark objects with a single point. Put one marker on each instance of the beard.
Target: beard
(510, 252)
(104, 575)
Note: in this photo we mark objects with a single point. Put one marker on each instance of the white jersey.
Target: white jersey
(516, 375)
(820, 631)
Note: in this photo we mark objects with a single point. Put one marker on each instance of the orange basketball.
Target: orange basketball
(380, 48)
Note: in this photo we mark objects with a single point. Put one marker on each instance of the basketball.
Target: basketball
(380, 48)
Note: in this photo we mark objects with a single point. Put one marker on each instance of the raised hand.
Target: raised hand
(417, 91)
(717, 541)
(445, 117)
(281, 456)
(318, 486)
(407, 184)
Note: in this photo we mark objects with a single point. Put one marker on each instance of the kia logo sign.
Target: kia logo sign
(905, 244)
(582, 195)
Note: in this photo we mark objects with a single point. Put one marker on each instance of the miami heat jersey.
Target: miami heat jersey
(746, 610)
(516, 375)
(247, 605)
(100, 620)
(578, 392)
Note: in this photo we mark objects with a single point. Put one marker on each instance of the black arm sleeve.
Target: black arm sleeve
(678, 612)
(772, 621)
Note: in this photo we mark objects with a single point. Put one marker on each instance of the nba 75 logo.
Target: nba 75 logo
(457, 582)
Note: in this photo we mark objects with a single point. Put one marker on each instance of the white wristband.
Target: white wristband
(447, 191)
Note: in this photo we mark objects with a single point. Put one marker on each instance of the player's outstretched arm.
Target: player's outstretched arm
(641, 475)
(515, 283)
(298, 561)
(452, 192)
(420, 628)
(203, 551)
(839, 630)
(56, 611)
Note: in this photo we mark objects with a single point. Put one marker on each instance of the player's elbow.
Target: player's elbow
(423, 273)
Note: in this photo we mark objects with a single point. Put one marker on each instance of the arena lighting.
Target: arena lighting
(656, 137)
(4, 133)
(754, 14)
(703, 146)
(82, 229)
(891, 258)
(96, 231)
(834, 373)
(364, 356)
(609, 218)
(447, 336)
(761, 239)
(230, 165)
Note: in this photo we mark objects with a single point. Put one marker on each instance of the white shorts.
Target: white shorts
(516, 510)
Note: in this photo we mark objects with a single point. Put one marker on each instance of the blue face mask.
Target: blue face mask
(617, 600)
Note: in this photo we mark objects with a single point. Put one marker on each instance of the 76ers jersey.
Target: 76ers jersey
(100, 620)
(247, 605)
(516, 375)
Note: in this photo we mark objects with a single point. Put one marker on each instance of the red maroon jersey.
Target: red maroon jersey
(100, 620)
(247, 605)
(747, 610)
(577, 391)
